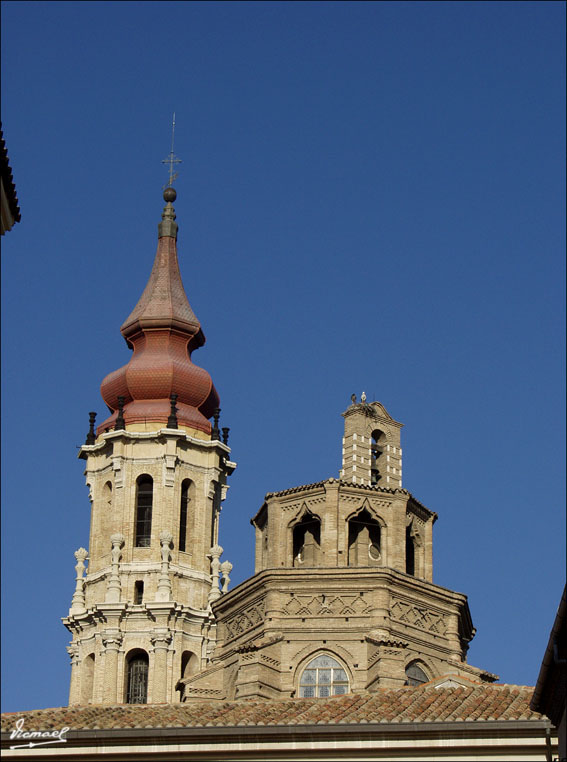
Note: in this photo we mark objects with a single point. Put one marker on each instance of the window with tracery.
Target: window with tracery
(415, 675)
(137, 691)
(323, 677)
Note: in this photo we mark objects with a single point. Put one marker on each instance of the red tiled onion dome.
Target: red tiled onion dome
(162, 331)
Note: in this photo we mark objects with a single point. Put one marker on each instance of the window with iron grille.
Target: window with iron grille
(144, 499)
(323, 677)
(137, 692)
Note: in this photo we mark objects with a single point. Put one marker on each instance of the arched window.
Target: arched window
(364, 540)
(307, 541)
(376, 452)
(410, 552)
(87, 679)
(415, 675)
(323, 677)
(137, 687)
(183, 513)
(144, 499)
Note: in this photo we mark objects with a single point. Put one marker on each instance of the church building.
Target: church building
(340, 645)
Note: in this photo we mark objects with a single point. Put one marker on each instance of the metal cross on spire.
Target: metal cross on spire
(171, 158)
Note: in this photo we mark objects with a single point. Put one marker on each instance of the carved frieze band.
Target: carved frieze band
(326, 605)
(303, 503)
(377, 504)
(245, 620)
(420, 617)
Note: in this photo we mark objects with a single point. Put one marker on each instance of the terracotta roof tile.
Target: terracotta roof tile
(423, 704)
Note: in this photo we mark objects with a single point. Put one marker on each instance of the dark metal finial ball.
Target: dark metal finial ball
(169, 195)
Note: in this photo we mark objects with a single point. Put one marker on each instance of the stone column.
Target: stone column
(112, 640)
(78, 601)
(164, 591)
(452, 635)
(226, 568)
(160, 642)
(75, 691)
(214, 555)
(113, 587)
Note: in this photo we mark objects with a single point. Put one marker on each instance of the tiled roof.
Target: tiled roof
(402, 705)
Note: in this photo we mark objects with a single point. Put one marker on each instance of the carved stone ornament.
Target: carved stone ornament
(344, 604)
(225, 568)
(164, 589)
(113, 586)
(112, 640)
(214, 555)
(78, 601)
(73, 651)
(161, 640)
(420, 617)
(117, 541)
(245, 620)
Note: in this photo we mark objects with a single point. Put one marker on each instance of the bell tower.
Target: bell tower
(371, 445)
(157, 471)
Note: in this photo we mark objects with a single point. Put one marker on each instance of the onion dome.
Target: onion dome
(162, 330)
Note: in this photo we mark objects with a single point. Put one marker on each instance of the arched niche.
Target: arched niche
(189, 664)
(87, 679)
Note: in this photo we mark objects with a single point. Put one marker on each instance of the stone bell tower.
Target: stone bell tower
(156, 470)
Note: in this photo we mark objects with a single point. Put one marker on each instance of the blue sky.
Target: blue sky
(371, 198)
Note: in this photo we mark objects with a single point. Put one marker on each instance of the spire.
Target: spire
(162, 330)
(163, 301)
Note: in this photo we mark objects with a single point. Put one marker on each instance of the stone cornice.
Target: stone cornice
(402, 586)
(139, 567)
(162, 434)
